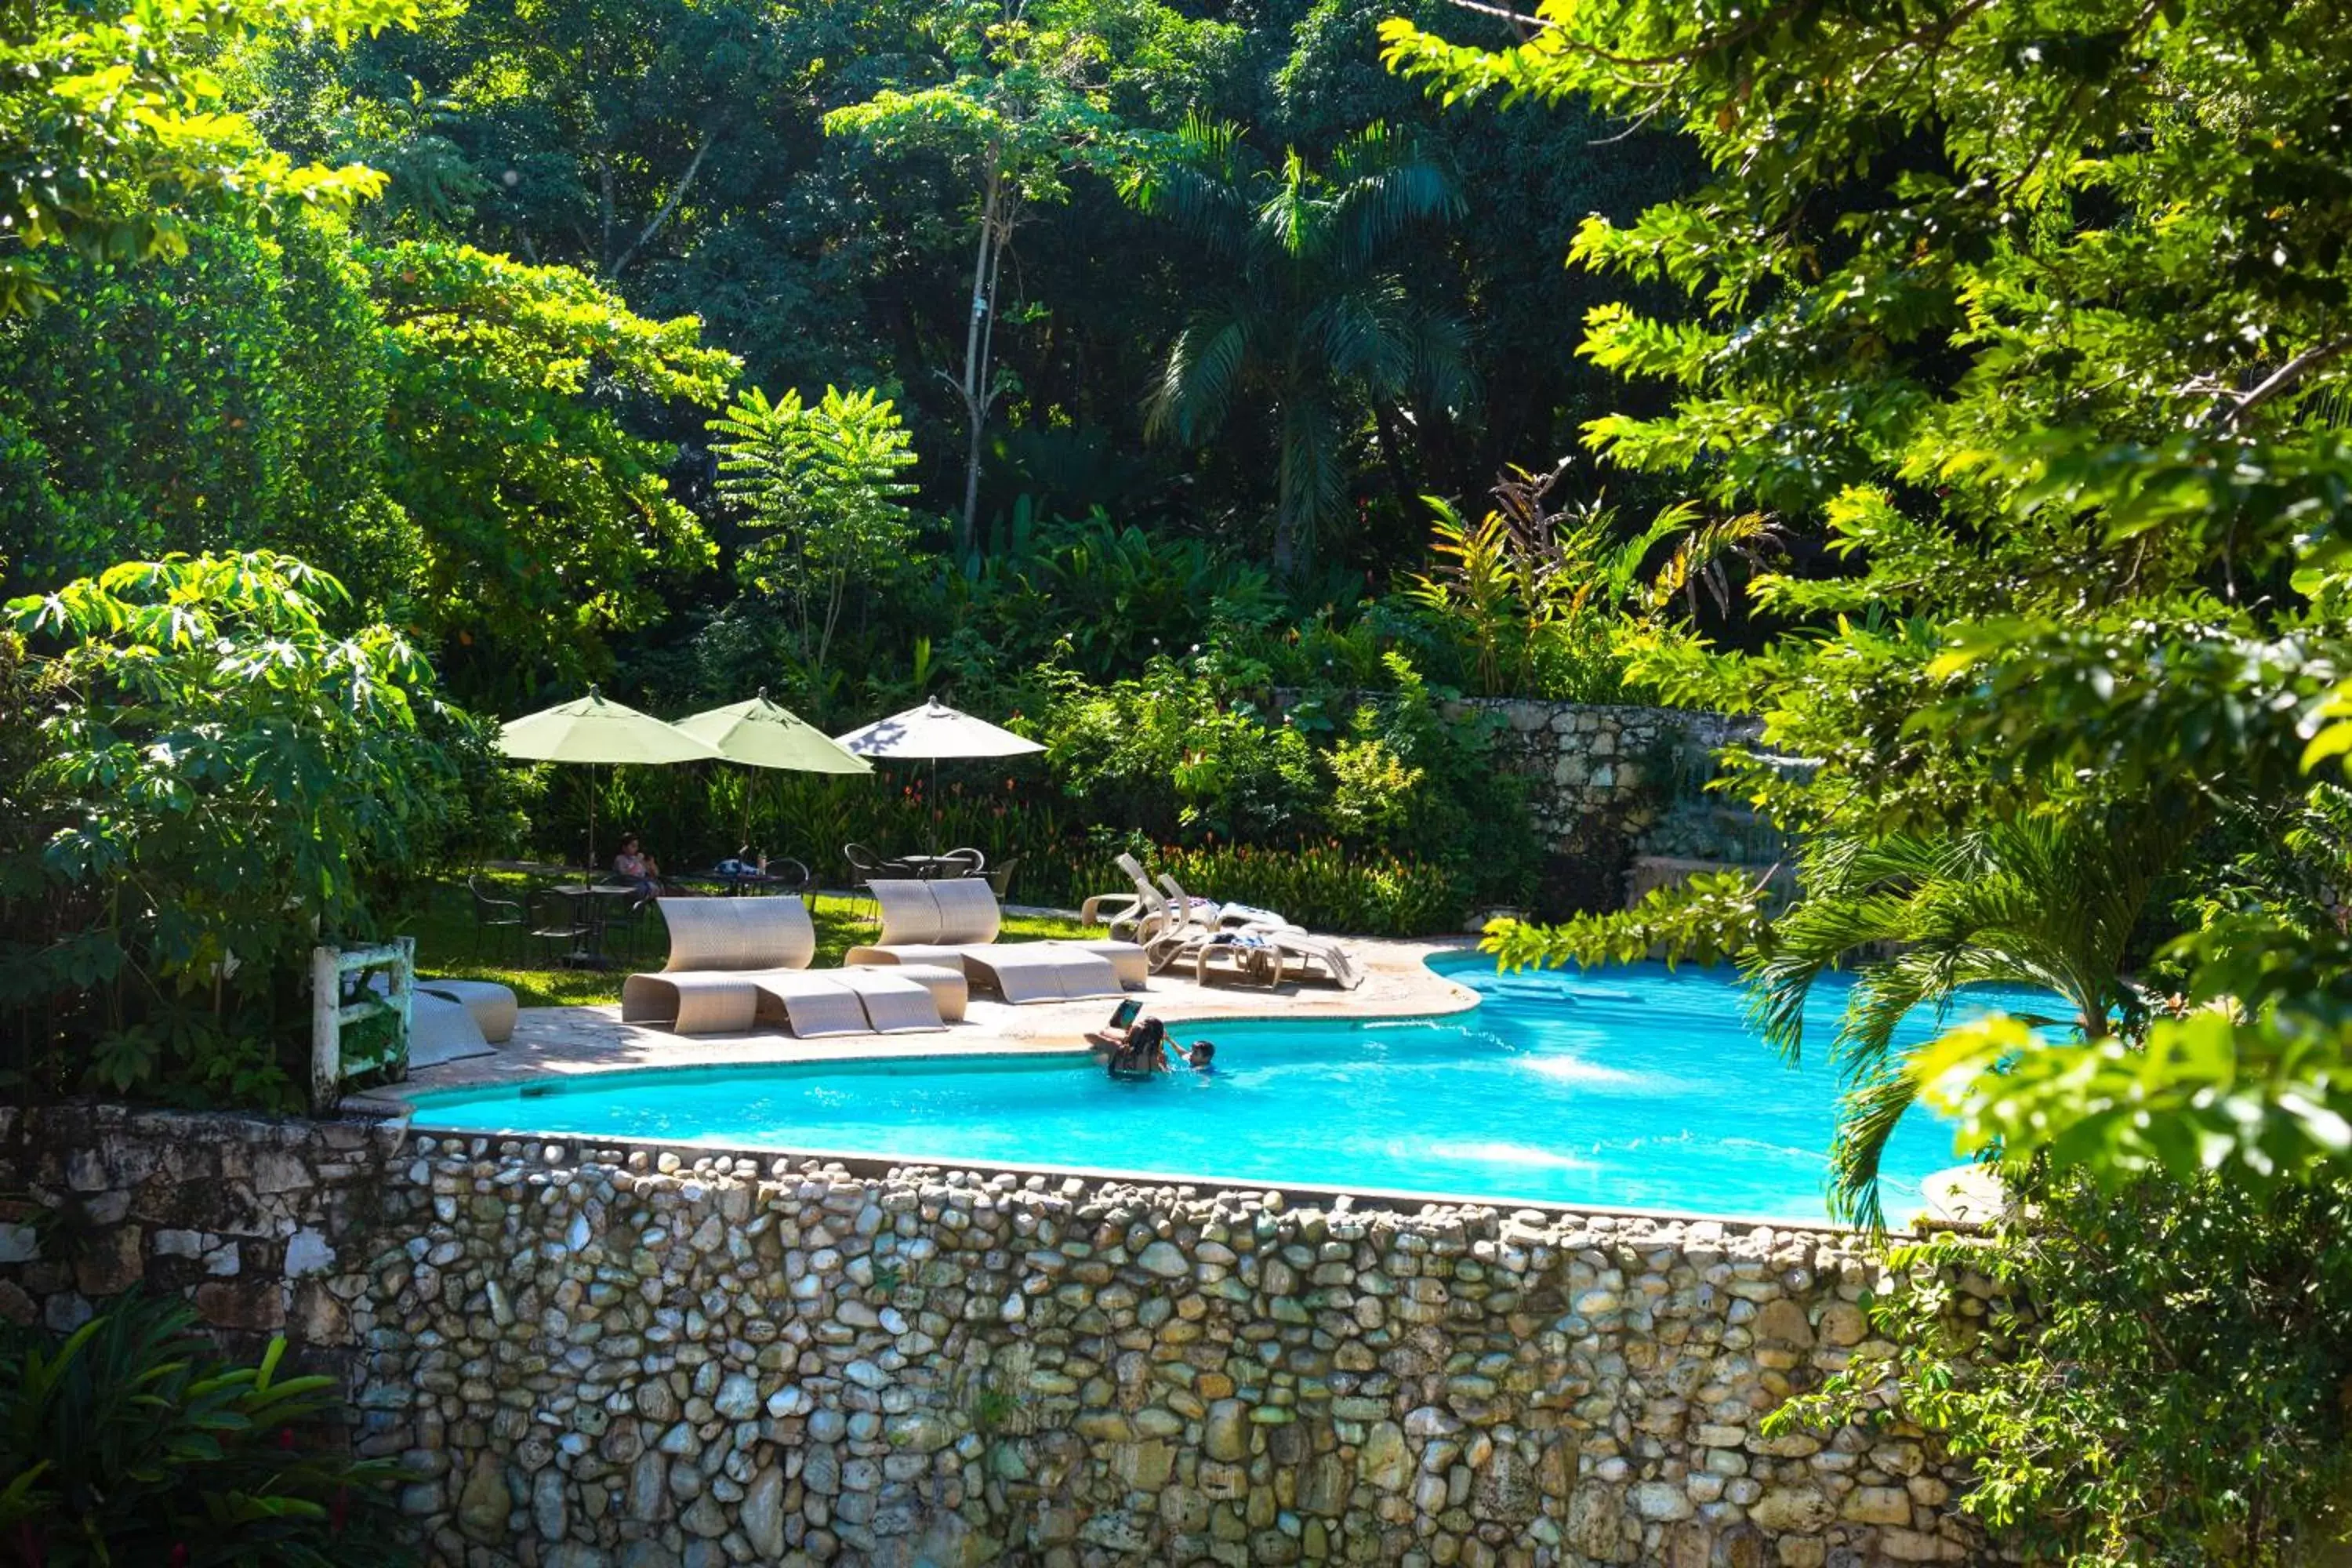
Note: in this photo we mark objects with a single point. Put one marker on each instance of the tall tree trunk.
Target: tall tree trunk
(977, 335)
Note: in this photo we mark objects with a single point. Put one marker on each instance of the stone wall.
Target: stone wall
(245, 1216)
(1594, 790)
(619, 1358)
(629, 1359)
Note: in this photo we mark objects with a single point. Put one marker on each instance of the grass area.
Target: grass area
(442, 925)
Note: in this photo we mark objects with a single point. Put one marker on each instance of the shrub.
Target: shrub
(1322, 885)
(2160, 1377)
(216, 780)
(131, 1441)
(1176, 757)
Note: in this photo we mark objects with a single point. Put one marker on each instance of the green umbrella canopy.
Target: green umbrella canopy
(760, 734)
(590, 729)
(593, 729)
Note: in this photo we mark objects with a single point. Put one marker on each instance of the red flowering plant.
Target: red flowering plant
(132, 1440)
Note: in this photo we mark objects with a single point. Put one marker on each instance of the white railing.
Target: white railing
(329, 1012)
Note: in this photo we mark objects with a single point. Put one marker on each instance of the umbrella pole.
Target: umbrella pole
(590, 870)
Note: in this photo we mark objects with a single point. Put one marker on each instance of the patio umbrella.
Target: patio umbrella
(592, 730)
(935, 731)
(760, 734)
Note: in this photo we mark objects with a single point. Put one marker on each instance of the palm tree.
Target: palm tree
(2045, 903)
(1315, 320)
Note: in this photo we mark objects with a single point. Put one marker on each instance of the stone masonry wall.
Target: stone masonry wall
(1593, 792)
(608, 1359)
(598, 1357)
(242, 1215)
(1590, 761)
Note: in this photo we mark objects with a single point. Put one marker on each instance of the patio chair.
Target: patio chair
(556, 926)
(735, 963)
(493, 914)
(1227, 916)
(963, 862)
(1265, 955)
(999, 876)
(623, 926)
(865, 865)
(956, 922)
(786, 875)
(1141, 916)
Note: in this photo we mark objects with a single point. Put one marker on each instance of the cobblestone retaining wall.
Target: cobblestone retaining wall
(599, 1358)
(1595, 783)
(629, 1360)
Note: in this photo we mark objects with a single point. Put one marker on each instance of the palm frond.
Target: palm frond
(1311, 481)
(1443, 370)
(1867, 1116)
(1359, 337)
(1196, 388)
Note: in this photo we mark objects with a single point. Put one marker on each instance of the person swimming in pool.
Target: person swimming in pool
(1202, 1058)
(1141, 1051)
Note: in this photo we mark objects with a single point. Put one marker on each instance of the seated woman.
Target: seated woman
(634, 866)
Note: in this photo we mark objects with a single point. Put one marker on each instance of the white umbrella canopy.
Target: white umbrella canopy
(593, 730)
(934, 731)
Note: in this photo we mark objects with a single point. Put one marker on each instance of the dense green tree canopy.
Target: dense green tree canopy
(2039, 314)
(114, 135)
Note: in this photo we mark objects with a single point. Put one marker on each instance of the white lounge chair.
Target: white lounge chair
(1255, 943)
(955, 921)
(737, 963)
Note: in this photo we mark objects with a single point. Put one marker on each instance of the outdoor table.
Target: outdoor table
(927, 867)
(590, 953)
(735, 882)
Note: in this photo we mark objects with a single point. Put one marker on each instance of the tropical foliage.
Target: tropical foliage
(820, 483)
(213, 777)
(132, 1440)
(2028, 324)
(2151, 1374)
(114, 136)
(1314, 322)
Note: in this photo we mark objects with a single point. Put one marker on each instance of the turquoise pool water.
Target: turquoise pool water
(1630, 1088)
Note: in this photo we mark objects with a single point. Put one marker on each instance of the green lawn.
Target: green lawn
(443, 926)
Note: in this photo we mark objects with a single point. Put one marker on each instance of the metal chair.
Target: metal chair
(865, 865)
(557, 919)
(964, 862)
(624, 918)
(786, 875)
(1000, 876)
(493, 914)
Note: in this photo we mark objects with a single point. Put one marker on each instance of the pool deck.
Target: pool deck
(555, 1041)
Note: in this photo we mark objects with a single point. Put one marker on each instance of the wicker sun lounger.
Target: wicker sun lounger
(955, 921)
(737, 963)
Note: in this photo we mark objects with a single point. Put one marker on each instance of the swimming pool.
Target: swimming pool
(1629, 1088)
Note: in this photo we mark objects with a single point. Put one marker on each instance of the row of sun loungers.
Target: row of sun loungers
(956, 920)
(740, 964)
(736, 964)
